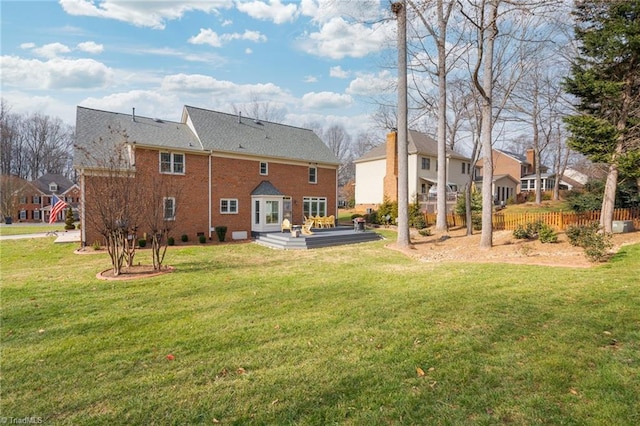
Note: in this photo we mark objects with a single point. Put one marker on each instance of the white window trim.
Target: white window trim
(172, 163)
(266, 166)
(164, 201)
(315, 174)
(229, 204)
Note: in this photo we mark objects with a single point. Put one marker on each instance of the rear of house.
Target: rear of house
(224, 170)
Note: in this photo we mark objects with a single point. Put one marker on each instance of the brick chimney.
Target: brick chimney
(531, 159)
(390, 182)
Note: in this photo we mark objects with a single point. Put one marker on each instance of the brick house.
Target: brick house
(34, 198)
(377, 170)
(233, 171)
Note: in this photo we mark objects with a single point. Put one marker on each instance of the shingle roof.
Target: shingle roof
(42, 183)
(103, 127)
(419, 143)
(242, 135)
(200, 130)
(266, 188)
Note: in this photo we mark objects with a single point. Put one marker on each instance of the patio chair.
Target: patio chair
(306, 227)
(330, 221)
(285, 226)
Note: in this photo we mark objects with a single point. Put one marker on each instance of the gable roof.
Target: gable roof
(266, 188)
(419, 144)
(518, 157)
(201, 130)
(236, 134)
(43, 182)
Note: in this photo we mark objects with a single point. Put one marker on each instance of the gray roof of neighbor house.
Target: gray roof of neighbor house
(43, 182)
(200, 130)
(419, 143)
(243, 135)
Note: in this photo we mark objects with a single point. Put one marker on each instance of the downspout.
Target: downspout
(83, 222)
(210, 198)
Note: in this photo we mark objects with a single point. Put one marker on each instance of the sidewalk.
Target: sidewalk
(62, 236)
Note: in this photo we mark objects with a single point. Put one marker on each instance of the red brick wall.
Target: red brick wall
(232, 178)
(235, 178)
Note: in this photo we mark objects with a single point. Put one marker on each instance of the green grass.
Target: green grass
(327, 336)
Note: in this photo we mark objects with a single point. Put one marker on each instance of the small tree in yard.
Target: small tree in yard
(114, 209)
(68, 221)
(160, 215)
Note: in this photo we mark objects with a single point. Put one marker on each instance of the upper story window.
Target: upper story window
(228, 206)
(264, 168)
(53, 187)
(36, 199)
(171, 162)
(313, 174)
(426, 163)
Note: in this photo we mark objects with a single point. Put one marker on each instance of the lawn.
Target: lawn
(29, 228)
(349, 335)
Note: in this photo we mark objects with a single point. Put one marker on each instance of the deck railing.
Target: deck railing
(558, 220)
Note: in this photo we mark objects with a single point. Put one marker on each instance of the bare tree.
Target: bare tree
(160, 209)
(12, 188)
(115, 210)
(259, 109)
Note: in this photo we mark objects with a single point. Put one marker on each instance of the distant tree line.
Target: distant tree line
(33, 144)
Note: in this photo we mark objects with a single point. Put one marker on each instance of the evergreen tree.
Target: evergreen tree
(605, 79)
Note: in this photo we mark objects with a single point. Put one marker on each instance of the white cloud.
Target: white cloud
(54, 74)
(338, 39)
(371, 84)
(91, 47)
(323, 100)
(148, 103)
(274, 11)
(153, 14)
(210, 37)
(310, 79)
(338, 72)
(198, 83)
(51, 50)
(27, 46)
(322, 11)
(248, 51)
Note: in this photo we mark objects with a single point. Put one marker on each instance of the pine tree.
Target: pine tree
(605, 79)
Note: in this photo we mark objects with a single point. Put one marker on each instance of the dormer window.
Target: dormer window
(53, 187)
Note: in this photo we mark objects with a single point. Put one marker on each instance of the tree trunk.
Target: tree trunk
(441, 216)
(399, 9)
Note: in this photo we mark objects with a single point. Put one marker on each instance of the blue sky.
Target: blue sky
(315, 60)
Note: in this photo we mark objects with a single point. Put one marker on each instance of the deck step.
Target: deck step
(320, 238)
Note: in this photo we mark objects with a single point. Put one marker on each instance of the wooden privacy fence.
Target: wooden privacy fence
(558, 220)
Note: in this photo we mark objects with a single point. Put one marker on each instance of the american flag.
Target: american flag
(57, 205)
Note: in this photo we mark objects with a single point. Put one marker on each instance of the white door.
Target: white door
(266, 214)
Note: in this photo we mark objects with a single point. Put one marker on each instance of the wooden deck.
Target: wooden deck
(325, 237)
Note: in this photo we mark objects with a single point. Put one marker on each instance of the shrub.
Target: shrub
(425, 232)
(521, 233)
(184, 238)
(171, 241)
(221, 232)
(142, 243)
(68, 221)
(595, 243)
(96, 245)
(546, 234)
(577, 233)
(202, 239)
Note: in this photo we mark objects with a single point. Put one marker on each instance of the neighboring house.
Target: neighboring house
(377, 170)
(502, 188)
(233, 171)
(35, 198)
